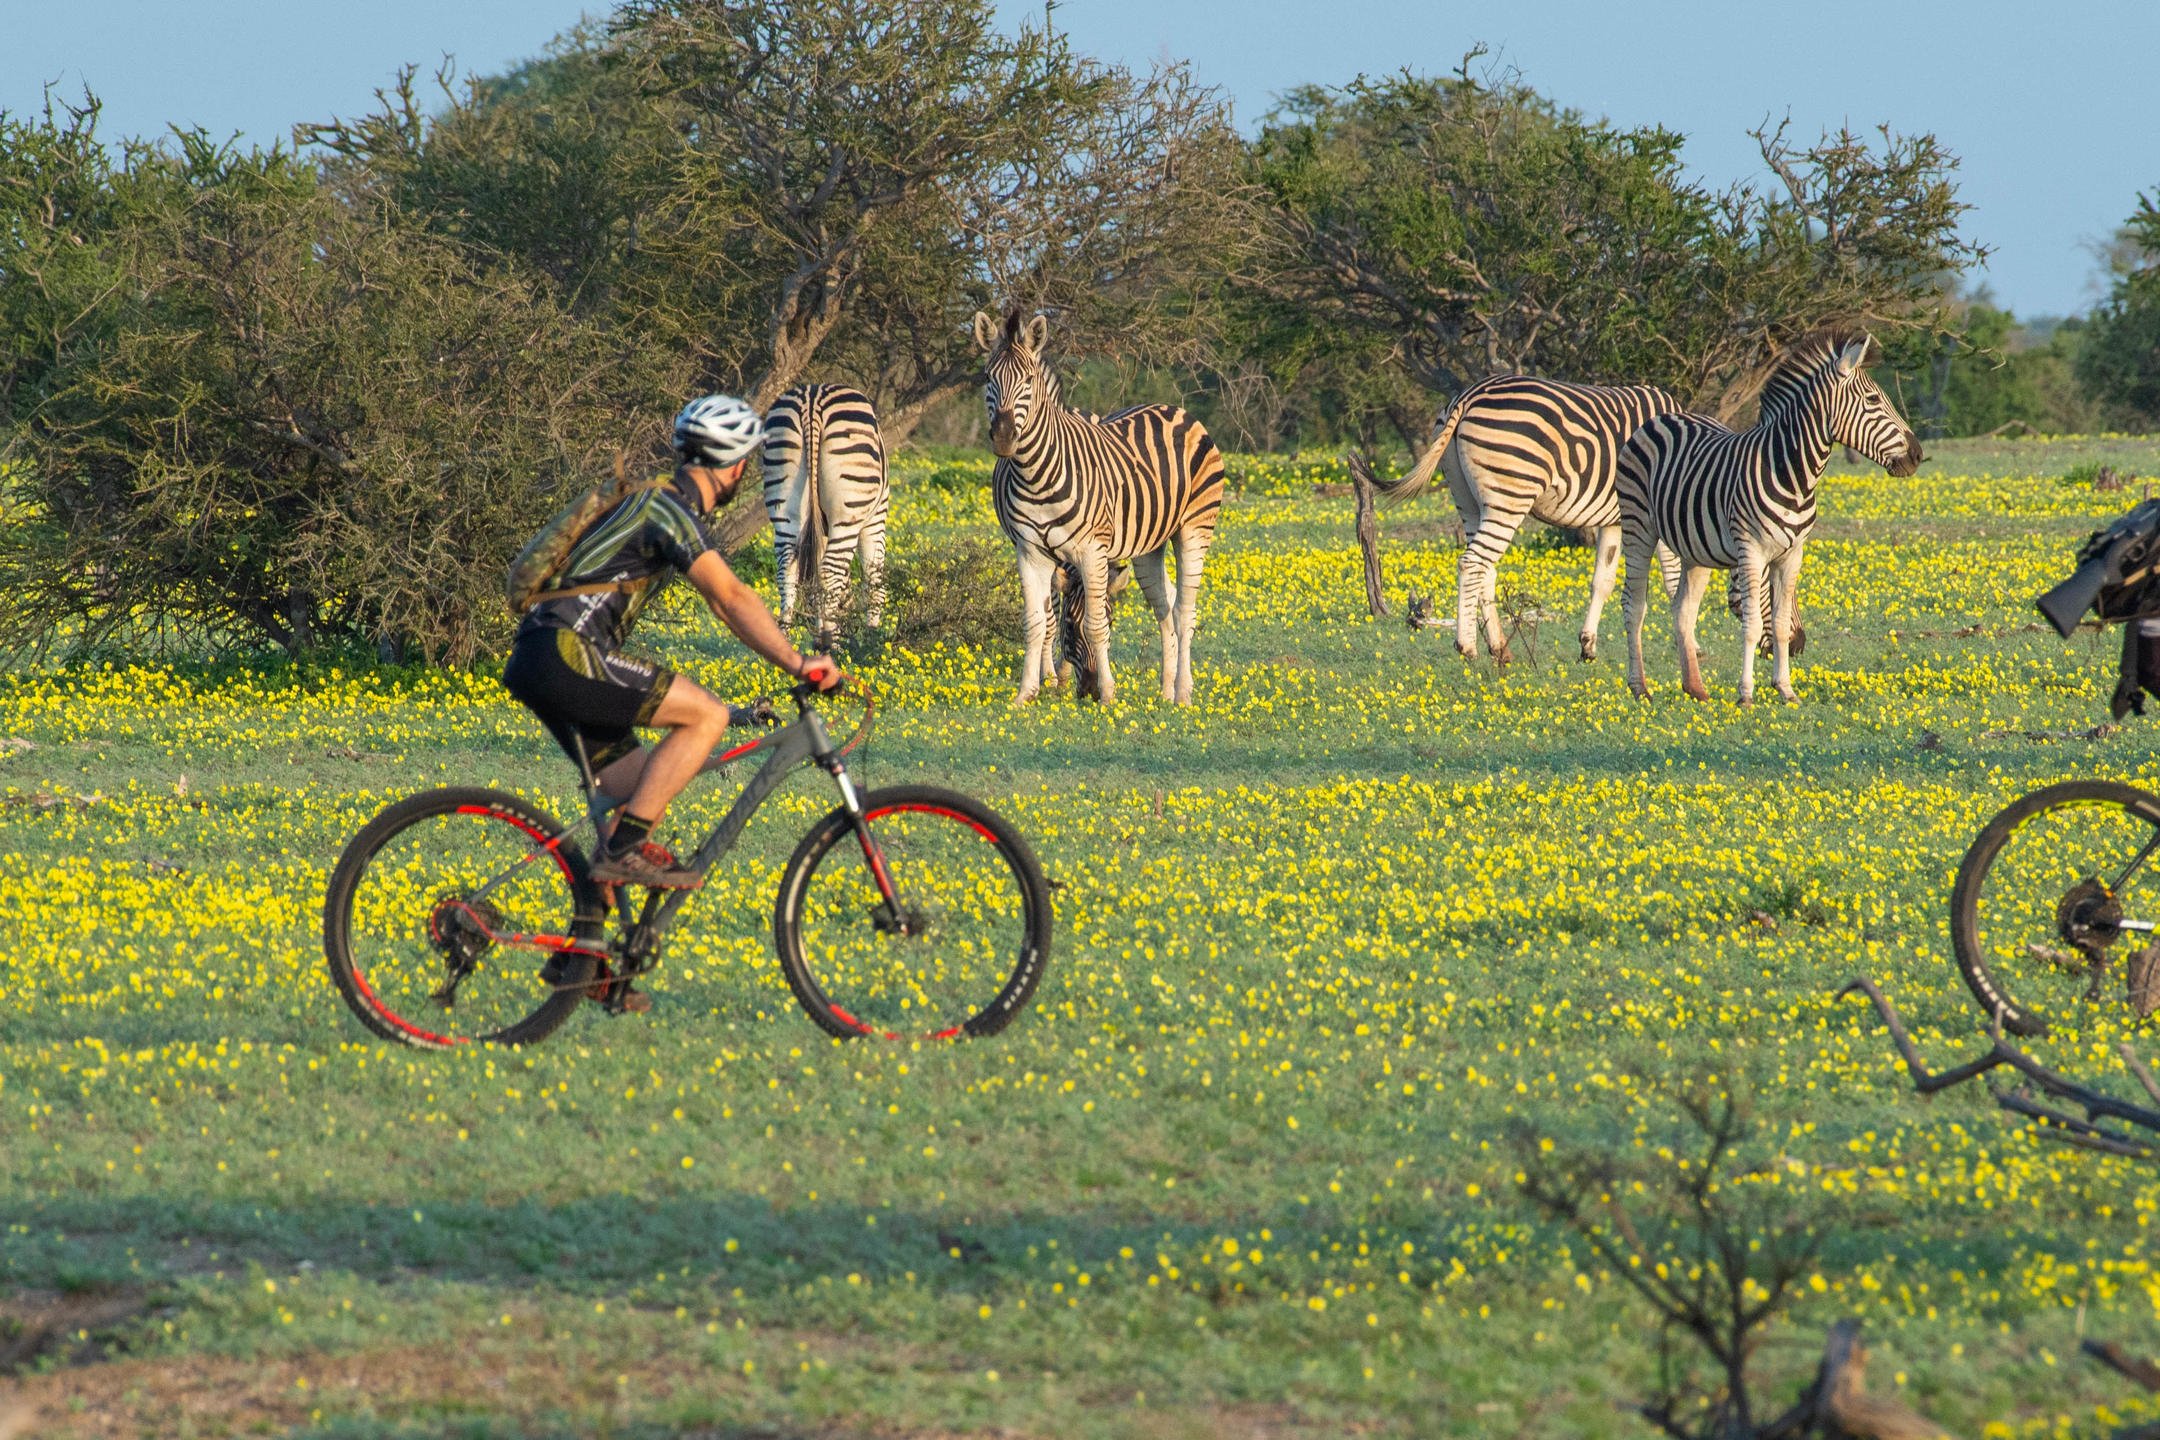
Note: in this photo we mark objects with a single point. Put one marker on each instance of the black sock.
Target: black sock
(630, 832)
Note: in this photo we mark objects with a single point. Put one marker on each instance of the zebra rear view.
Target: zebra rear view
(827, 493)
(1070, 488)
(1516, 447)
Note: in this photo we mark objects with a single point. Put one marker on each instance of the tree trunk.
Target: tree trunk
(734, 527)
(895, 427)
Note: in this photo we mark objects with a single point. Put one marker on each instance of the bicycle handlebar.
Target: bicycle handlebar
(804, 691)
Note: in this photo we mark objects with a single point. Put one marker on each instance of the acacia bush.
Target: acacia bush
(265, 414)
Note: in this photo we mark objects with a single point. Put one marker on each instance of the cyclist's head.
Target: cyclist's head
(716, 431)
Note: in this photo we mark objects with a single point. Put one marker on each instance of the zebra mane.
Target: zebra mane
(1803, 361)
(1009, 338)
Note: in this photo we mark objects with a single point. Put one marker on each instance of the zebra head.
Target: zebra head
(1862, 417)
(1018, 389)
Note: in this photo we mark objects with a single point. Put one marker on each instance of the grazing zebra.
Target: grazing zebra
(1515, 446)
(1090, 492)
(826, 491)
(1745, 501)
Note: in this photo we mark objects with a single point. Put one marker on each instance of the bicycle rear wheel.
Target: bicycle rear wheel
(2055, 900)
(443, 911)
(930, 921)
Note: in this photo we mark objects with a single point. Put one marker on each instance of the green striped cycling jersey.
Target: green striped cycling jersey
(641, 544)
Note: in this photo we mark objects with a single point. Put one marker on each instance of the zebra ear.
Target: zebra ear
(1849, 358)
(985, 330)
(1038, 330)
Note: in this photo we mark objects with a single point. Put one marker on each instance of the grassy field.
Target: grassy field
(1323, 940)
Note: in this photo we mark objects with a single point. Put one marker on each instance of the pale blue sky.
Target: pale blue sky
(2051, 107)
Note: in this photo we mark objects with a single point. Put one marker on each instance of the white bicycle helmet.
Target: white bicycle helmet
(716, 430)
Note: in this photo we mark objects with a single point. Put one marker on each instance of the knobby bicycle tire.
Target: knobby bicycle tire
(349, 971)
(831, 1013)
(1996, 992)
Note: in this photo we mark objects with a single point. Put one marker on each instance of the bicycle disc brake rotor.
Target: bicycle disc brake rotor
(2089, 916)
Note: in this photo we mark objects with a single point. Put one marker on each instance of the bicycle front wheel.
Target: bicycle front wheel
(442, 913)
(2056, 903)
(929, 919)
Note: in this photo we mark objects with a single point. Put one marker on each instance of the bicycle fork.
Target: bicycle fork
(889, 918)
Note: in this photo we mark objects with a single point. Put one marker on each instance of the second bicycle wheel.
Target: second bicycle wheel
(931, 921)
(2055, 900)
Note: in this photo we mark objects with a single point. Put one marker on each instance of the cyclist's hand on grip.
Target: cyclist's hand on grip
(824, 672)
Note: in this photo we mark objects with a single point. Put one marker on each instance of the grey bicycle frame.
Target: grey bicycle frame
(801, 740)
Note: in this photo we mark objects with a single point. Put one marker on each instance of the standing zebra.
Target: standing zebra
(1515, 446)
(826, 491)
(1745, 501)
(1090, 492)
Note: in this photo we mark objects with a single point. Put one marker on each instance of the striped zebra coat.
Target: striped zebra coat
(1514, 447)
(827, 493)
(1074, 489)
(1745, 500)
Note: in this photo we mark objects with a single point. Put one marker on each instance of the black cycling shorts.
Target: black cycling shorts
(580, 691)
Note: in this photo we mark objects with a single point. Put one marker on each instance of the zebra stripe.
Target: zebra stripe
(1090, 492)
(1745, 500)
(1514, 447)
(827, 493)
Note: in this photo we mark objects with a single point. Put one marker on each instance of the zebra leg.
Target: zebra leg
(873, 565)
(1747, 585)
(832, 590)
(1468, 589)
(1669, 568)
(783, 549)
(1784, 618)
(1035, 601)
(1634, 600)
(1147, 572)
(1095, 622)
(1686, 605)
(1192, 548)
(1601, 585)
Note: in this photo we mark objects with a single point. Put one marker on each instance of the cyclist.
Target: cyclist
(567, 663)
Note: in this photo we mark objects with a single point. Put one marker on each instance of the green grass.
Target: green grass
(1322, 941)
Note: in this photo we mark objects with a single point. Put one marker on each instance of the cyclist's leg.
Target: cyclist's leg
(588, 700)
(695, 721)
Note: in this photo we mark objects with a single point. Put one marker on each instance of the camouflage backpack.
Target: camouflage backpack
(539, 566)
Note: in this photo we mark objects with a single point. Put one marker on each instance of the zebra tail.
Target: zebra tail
(810, 544)
(1394, 492)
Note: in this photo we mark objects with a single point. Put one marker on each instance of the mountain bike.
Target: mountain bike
(466, 915)
(2058, 900)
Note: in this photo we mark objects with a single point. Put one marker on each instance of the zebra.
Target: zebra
(1745, 500)
(827, 493)
(1069, 487)
(1516, 446)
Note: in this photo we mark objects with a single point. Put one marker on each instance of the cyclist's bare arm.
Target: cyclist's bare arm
(740, 609)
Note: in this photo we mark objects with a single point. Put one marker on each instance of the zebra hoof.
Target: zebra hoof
(1589, 647)
(1788, 695)
(1502, 658)
(1641, 689)
(1697, 691)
